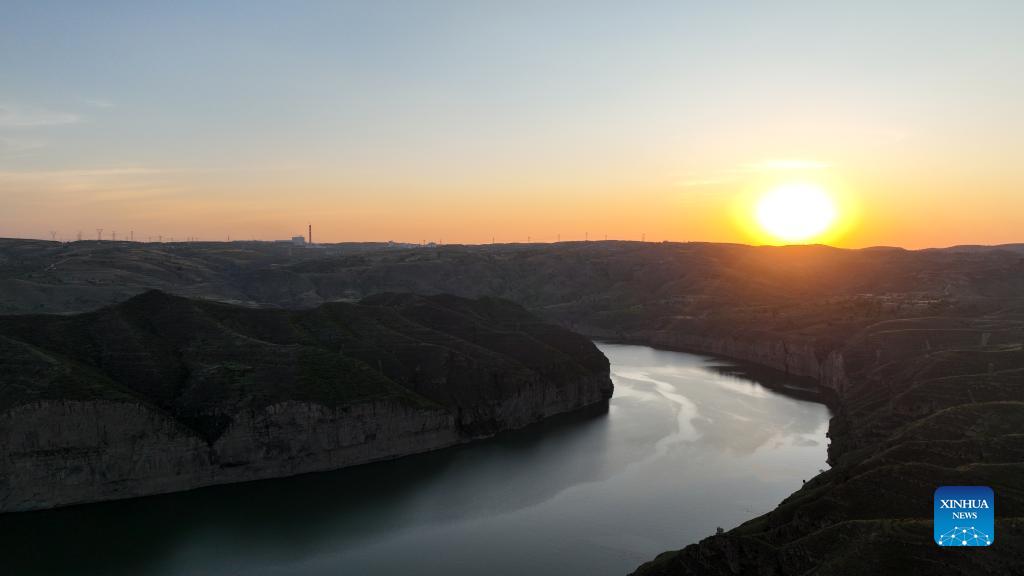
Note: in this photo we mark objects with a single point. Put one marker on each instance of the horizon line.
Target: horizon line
(441, 244)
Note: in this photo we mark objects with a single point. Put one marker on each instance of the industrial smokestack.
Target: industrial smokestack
(310, 234)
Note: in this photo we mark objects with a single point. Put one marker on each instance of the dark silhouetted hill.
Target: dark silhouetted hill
(918, 352)
(237, 393)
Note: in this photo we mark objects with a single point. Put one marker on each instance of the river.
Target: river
(686, 446)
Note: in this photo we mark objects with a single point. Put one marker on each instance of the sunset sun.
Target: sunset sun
(305, 280)
(796, 212)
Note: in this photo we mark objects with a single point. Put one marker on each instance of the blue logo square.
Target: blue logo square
(964, 516)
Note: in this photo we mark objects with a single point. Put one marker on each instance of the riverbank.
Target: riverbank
(682, 449)
(162, 393)
(924, 403)
(923, 349)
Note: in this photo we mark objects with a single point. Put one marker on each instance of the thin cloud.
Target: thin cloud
(76, 173)
(14, 146)
(701, 182)
(95, 181)
(778, 165)
(745, 170)
(12, 116)
(98, 102)
(87, 186)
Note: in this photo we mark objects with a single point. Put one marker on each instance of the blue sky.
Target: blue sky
(486, 118)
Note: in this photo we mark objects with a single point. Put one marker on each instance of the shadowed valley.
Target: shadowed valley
(919, 354)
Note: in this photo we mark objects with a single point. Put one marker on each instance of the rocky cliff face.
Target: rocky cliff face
(922, 349)
(203, 402)
(789, 356)
(920, 403)
(57, 453)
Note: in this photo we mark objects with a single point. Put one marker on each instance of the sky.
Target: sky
(466, 121)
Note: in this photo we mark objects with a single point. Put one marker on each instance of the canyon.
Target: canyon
(920, 355)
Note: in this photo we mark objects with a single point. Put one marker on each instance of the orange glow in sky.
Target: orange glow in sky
(683, 121)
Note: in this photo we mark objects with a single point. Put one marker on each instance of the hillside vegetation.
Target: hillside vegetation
(920, 354)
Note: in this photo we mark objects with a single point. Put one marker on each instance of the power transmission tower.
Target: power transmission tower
(113, 235)
(131, 235)
(79, 235)
(99, 234)
(53, 235)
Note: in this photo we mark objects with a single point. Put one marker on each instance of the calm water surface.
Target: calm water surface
(683, 449)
